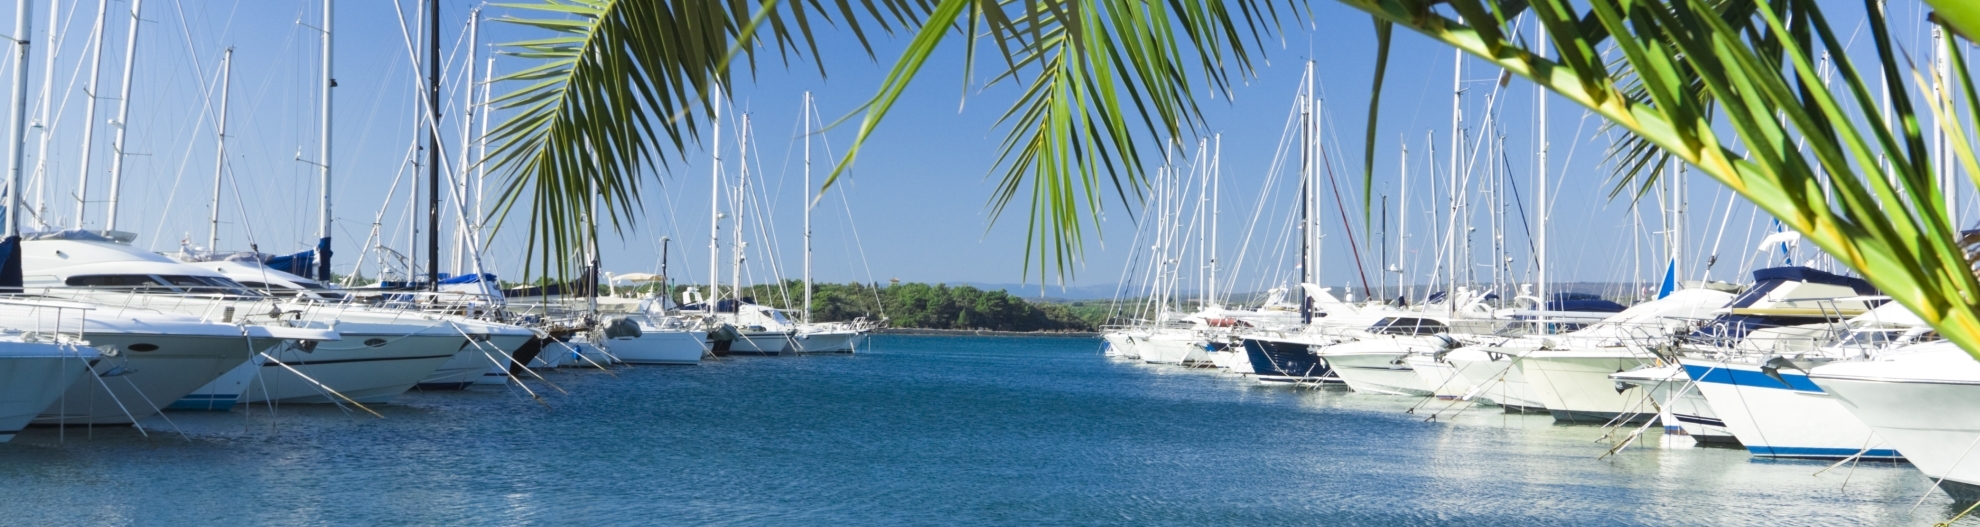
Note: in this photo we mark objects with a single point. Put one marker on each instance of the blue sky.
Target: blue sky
(916, 197)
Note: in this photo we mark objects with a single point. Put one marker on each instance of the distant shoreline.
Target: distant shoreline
(986, 332)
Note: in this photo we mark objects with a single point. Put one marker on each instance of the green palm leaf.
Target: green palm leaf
(1693, 68)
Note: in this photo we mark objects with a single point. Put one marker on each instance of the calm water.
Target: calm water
(921, 430)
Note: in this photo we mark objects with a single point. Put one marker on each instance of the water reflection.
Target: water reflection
(922, 430)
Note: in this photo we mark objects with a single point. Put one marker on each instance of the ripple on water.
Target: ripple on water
(919, 430)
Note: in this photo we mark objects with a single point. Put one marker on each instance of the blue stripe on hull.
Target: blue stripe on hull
(1820, 453)
(1795, 380)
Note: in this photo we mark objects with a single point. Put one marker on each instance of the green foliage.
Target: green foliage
(920, 306)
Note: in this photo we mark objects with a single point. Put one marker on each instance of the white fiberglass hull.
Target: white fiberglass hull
(146, 381)
(834, 341)
(1925, 403)
(1786, 417)
(221, 394)
(1174, 349)
(1120, 344)
(1439, 375)
(660, 347)
(768, 343)
(1683, 410)
(32, 376)
(1492, 380)
(367, 368)
(1382, 373)
(474, 361)
(1576, 388)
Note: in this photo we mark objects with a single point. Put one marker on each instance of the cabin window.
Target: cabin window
(113, 280)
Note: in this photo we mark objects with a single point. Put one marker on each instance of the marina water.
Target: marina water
(916, 430)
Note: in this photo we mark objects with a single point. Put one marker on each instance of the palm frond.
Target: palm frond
(1806, 154)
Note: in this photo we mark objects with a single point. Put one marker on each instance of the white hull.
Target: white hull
(1382, 373)
(659, 347)
(1491, 381)
(1683, 409)
(1439, 376)
(1174, 349)
(1926, 403)
(1119, 345)
(837, 341)
(760, 343)
(363, 368)
(221, 394)
(145, 382)
(32, 376)
(1576, 388)
(1788, 417)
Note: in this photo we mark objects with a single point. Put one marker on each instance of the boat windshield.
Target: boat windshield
(151, 283)
(1409, 326)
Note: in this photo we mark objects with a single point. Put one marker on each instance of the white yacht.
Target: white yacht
(150, 358)
(757, 329)
(381, 353)
(652, 337)
(35, 370)
(1769, 404)
(1925, 401)
(1568, 373)
(1378, 362)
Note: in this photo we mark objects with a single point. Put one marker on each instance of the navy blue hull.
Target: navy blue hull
(1288, 362)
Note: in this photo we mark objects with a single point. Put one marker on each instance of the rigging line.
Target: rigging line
(1520, 204)
(199, 118)
(1353, 247)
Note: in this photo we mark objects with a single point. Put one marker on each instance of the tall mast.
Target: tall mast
(714, 204)
(45, 122)
(737, 206)
(123, 117)
(433, 145)
(1942, 67)
(220, 151)
(323, 154)
(1306, 197)
(467, 131)
(807, 206)
(16, 132)
(1202, 230)
(89, 112)
(1540, 231)
(481, 169)
(1216, 178)
(1457, 121)
(1402, 221)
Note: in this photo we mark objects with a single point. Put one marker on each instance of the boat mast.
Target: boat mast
(481, 169)
(433, 145)
(467, 131)
(1457, 121)
(1216, 177)
(123, 118)
(322, 154)
(1540, 231)
(1402, 222)
(45, 122)
(220, 151)
(714, 205)
(89, 111)
(1306, 197)
(807, 206)
(736, 205)
(1942, 160)
(16, 131)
